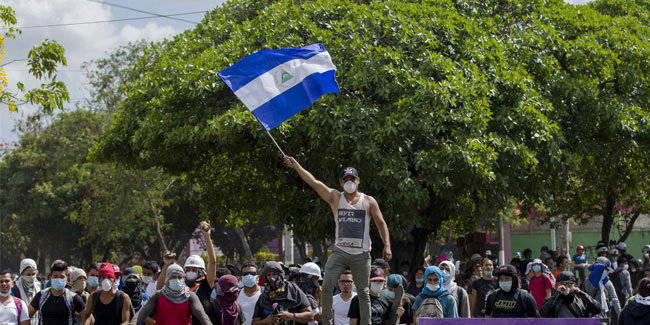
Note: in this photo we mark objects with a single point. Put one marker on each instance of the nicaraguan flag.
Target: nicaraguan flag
(276, 84)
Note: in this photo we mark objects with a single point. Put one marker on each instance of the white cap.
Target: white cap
(310, 268)
(28, 262)
(194, 261)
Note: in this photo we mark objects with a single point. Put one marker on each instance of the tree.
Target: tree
(587, 61)
(42, 61)
(443, 125)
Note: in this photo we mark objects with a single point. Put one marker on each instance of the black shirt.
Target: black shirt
(519, 304)
(203, 291)
(409, 313)
(413, 289)
(482, 288)
(55, 309)
(379, 309)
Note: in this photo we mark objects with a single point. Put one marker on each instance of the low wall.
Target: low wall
(509, 321)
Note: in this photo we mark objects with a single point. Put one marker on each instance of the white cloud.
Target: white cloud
(83, 43)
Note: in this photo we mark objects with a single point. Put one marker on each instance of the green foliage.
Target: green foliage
(42, 61)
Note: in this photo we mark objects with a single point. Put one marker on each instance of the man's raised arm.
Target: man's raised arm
(323, 191)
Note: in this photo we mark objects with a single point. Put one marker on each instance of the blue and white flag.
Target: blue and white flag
(276, 84)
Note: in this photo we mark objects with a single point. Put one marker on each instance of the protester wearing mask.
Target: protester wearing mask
(12, 309)
(637, 311)
(408, 314)
(132, 287)
(404, 268)
(109, 305)
(352, 245)
(78, 281)
(601, 289)
(635, 272)
(27, 286)
(307, 280)
(282, 301)
(225, 310)
(540, 285)
(175, 304)
(197, 278)
(417, 282)
(622, 281)
(509, 301)
(568, 301)
(251, 291)
(150, 273)
(460, 295)
(602, 251)
(436, 292)
(93, 278)
(341, 302)
(481, 287)
(379, 305)
(56, 304)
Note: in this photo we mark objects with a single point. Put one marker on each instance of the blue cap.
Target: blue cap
(518, 254)
(395, 279)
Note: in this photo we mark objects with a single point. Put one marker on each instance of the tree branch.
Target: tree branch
(629, 226)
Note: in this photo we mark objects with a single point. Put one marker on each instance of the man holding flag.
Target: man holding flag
(275, 85)
(352, 212)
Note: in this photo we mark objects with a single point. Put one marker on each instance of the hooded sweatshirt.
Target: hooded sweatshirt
(459, 294)
(449, 308)
(636, 311)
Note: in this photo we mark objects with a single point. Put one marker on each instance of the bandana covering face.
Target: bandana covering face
(176, 297)
(226, 298)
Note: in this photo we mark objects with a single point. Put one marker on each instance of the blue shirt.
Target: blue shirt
(580, 259)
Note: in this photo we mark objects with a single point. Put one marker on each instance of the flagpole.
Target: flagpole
(276, 144)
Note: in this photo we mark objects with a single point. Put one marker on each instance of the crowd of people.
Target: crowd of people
(350, 290)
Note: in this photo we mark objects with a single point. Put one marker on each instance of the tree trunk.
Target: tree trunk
(319, 251)
(608, 218)
(248, 255)
(629, 226)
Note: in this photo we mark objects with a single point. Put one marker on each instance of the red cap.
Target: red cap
(107, 270)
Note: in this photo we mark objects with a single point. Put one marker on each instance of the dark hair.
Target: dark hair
(405, 263)
(644, 287)
(548, 258)
(527, 251)
(486, 259)
(621, 259)
(151, 265)
(222, 271)
(5, 271)
(346, 272)
(233, 270)
(248, 264)
(59, 266)
(92, 266)
(561, 259)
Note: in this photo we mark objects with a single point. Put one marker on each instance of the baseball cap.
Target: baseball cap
(106, 270)
(381, 263)
(377, 274)
(517, 254)
(566, 276)
(395, 279)
(605, 261)
(601, 249)
(349, 171)
(621, 246)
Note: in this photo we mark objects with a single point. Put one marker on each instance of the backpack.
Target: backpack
(119, 295)
(69, 301)
(430, 307)
(19, 307)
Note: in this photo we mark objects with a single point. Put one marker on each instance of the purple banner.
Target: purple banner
(509, 321)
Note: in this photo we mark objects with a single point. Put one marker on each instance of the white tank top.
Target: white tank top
(352, 226)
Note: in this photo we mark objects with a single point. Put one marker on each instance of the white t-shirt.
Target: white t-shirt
(341, 308)
(9, 313)
(151, 288)
(248, 304)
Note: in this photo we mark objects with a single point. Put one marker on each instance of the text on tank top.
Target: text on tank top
(352, 226)
(169, 313)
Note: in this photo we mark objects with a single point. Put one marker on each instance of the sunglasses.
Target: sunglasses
(346, 281)
(248, 273)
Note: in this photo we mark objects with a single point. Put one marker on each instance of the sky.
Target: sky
(86, 42)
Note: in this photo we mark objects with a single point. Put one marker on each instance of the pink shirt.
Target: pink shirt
(168, 313)
(538, 286)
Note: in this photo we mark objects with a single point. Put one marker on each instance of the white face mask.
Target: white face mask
(146, 279)
(191, 275)
(107, 284)
(349, 187)
(433, 287)
(626, 267)
(376, 287)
